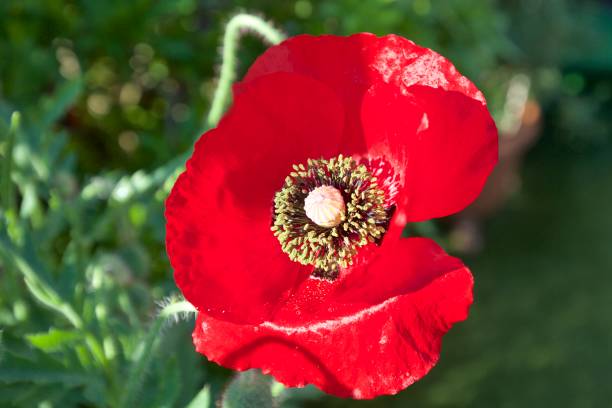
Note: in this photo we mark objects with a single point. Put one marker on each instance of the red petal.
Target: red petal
(226, 260)
(359, 349)
(442, 142)
(448, 162)
(350, 65)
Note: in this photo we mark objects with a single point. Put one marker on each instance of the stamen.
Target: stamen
(326, 211)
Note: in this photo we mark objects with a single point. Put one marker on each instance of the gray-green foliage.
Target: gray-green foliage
(75, 301)
(77, 254)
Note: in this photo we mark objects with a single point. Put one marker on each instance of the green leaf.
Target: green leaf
(141, 182)
(168, 390)
(7, 189)
(38, 287)
(56, 106)
(37, 378)
(24, 395)
(202, 399)
(1, 347)
(36, 370)
(54, 339)
(41, 375)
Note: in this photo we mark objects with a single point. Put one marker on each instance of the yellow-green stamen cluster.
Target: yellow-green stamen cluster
(329, 248)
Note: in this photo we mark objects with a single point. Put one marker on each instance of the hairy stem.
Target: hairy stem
(239, 24)
(175, 308)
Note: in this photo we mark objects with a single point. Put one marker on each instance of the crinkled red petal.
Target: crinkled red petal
(356, 338)
(443, 143)
(443, 157)
(350, 65)
(377, 328)
(226, 260)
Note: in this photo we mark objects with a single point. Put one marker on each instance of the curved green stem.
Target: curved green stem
(145, 355)
(239, 24)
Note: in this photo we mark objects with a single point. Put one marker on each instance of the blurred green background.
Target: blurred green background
(112, 95)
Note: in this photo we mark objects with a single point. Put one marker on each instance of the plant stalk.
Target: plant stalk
(239, 24)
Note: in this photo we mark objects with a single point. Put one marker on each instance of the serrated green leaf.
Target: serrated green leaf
(40, 289)
(54, 339)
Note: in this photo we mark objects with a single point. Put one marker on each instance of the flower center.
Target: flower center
(326, 211)
(325, 206)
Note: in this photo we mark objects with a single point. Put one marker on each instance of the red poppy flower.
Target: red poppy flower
(285, 229)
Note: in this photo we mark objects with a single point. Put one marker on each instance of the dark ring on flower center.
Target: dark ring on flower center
(330, 246)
